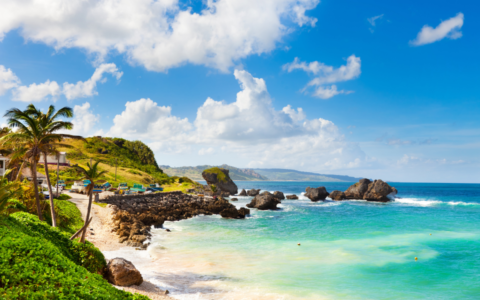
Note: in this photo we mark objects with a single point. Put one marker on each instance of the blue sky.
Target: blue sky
(381, 94)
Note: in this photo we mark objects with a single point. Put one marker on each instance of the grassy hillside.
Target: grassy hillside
(133, 162)
(195, 173)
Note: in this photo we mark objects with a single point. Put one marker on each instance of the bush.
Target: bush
(40, 262)
(63, 197)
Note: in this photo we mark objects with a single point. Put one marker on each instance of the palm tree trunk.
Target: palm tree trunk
(52, 207)
(19, 175)
(35, 187)
(90, 198)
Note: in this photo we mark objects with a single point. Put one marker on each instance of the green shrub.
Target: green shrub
(63, 197)
(220, 175)
(40, 262)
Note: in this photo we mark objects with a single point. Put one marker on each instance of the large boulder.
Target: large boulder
(358, 190)
(279, 195)
(230, 213)
(264, 201)
(253, 192)
(337, 195)
(221, 179)
(243, 212)
(292, 197)
(316, 194)
(379, 191)
(243, 193)
(121, 272)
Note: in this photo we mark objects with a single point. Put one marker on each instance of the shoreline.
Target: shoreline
(105, 240)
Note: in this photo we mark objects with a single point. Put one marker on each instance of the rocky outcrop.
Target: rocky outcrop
(316, 194)
(243, 211)
(279, 195)
(264, 201)
(253, 192)
(234, 199)
(221, 179)
(243, 193)
(357, 190)
(292, 197)
(134, 215)
(337, 195)
(121, 272)
(379, 191)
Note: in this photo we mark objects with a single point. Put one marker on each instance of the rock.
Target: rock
(234, 199)
(337, 195)
(357, 190)
(121, 272)
(243, 212)
(243, 193)
(253, 192)
(229, 213)
(379, 191)
(292, 197)
(316, 194)
(264, 201)
(221, 179)
(279, 195)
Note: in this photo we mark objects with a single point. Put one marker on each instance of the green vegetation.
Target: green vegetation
(40, 262)
(195, 173)
(69, 218)
(220, 175)
(63, 197)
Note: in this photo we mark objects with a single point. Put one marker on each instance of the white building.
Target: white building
(3, 164)
(52, 159)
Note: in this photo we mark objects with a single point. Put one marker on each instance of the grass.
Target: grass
(101, 204)
(220, 175)
(69, 218)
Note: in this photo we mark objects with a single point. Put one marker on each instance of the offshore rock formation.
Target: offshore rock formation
(253, 192)
(337, 195)
(243, 193)
(221, 179)
(264, 201)
(279, 195)
(292, 197)
(377, 190)
(316, 194)
(134, 215)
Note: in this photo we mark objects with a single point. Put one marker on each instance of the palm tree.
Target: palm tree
(93, 174)
(38, 135)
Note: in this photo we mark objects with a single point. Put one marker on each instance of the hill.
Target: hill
(294, 175)
(195, 173)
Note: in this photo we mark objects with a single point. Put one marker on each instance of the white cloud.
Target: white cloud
(84, 89)
(84, 121)
(8, 80)
(37, 92)
(159, 34)
(447, 29)
(326, 75)
(372, 20)
(249, 128)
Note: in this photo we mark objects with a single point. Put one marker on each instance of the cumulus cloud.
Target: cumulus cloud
(159, 34)
(8, 80)
(84, 89)
(51, 89)
(249, 127)
(447, 29)
(327, 75)
(84, 121)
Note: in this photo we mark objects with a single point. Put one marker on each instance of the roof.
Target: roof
(28, 173)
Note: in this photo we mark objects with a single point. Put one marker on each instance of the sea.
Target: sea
(423, 245)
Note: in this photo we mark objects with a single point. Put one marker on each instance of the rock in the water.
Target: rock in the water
(379, 191)
(279, 195)
(234, 199)
(357, 190)
(253, 192)
(292, 197)
(243, 212)
(121, 272)
(221, 179)
(264, 201)
(243, 193)
(316, 194)
(229, 213)
(337, 195)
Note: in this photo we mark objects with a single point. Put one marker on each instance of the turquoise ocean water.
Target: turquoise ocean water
(349, 249)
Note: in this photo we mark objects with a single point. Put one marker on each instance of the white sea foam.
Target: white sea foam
(427, 202)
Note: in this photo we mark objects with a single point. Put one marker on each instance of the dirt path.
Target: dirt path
(100, 234)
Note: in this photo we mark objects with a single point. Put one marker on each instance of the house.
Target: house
(27, 174)
(3, 164)
(52, 159)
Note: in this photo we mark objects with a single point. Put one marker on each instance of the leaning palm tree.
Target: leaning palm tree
(38, 133)
(93, 174)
